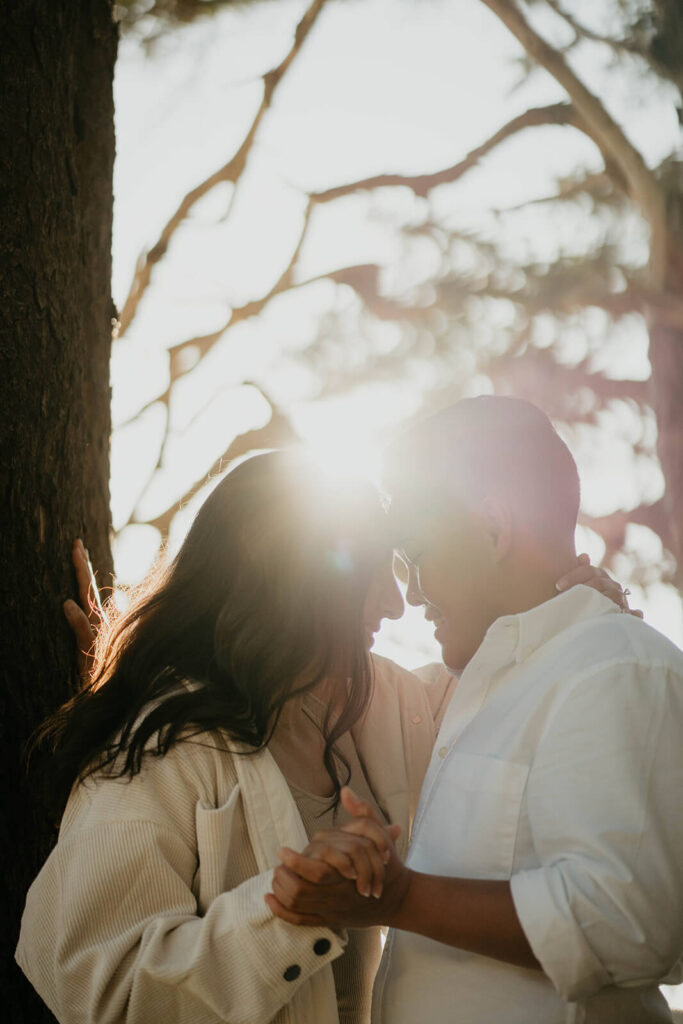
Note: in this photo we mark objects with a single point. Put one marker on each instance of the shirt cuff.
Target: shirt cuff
(544, 912)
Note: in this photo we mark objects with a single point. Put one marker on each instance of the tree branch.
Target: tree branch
(422, 184)
(230, 172)
(562, 288)
(361, 278)
(598, 186)
(606, 132)
(205, 344)
(277, 433)
(164, 399)
(568, 392)
(582, 31)
(284, 283)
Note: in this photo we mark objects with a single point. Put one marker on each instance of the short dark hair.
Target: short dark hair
(489, 445)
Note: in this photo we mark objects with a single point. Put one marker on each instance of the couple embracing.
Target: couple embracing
(513, 817)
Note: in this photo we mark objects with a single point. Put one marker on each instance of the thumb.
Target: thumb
(355, 806)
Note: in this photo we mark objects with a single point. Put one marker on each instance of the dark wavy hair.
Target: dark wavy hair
(263, 601)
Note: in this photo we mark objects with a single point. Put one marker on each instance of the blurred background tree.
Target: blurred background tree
(547, 296)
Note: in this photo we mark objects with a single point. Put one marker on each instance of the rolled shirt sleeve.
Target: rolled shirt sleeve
(605, 906)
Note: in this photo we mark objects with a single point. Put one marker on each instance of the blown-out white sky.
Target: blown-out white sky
(399, 85)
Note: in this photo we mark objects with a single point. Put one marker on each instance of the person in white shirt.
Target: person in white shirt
(544, 881)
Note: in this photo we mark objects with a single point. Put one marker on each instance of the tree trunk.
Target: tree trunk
(666, 382)
(666, 359)
(56, 162)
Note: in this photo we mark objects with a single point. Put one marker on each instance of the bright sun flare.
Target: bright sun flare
(343, 459)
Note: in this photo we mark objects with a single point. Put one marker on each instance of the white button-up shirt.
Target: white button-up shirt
(559, 766)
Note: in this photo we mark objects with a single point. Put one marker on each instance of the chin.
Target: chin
(455, 656)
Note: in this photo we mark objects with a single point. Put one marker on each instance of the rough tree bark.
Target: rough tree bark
(56, 162)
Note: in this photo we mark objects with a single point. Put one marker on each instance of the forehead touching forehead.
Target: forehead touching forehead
(483, 447)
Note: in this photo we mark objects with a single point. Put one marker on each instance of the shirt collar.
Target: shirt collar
(526, 632)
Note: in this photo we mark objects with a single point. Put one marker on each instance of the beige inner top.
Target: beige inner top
(354, 971)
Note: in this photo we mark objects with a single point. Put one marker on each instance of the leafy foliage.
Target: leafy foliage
(492, 310)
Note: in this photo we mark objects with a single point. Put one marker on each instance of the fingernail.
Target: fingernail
(366, 893)
(559, 585)
(377, 894)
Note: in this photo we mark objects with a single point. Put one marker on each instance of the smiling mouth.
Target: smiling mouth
(438, 624)
(370, 633)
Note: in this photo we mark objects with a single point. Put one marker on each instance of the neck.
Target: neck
(530, 578)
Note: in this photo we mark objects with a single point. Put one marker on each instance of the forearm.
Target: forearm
(473, 914)
(477, 915)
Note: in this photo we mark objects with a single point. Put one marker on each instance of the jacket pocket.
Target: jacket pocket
(469, 825)
(220, 834)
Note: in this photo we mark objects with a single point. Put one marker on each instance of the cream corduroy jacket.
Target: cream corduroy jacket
(151, 906)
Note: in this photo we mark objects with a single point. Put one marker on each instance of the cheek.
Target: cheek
(383, 598)
(370, 603)
(373, 601)
(451, 578)
(439, 570)
(393, 600)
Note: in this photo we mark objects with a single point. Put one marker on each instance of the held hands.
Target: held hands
(334, 879)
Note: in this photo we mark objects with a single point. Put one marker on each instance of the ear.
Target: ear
(497, 523)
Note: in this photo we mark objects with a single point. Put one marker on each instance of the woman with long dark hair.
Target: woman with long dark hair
(223, 715)
(225, 711)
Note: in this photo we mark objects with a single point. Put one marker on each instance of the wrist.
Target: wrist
(398, 901)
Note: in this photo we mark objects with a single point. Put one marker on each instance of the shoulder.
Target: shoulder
(614, 674)
(197, 770)
(390, 674)
(427, 689)
(394, 691)
(627, 640)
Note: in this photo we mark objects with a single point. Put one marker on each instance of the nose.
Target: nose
(414, 595)
(392, 601)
